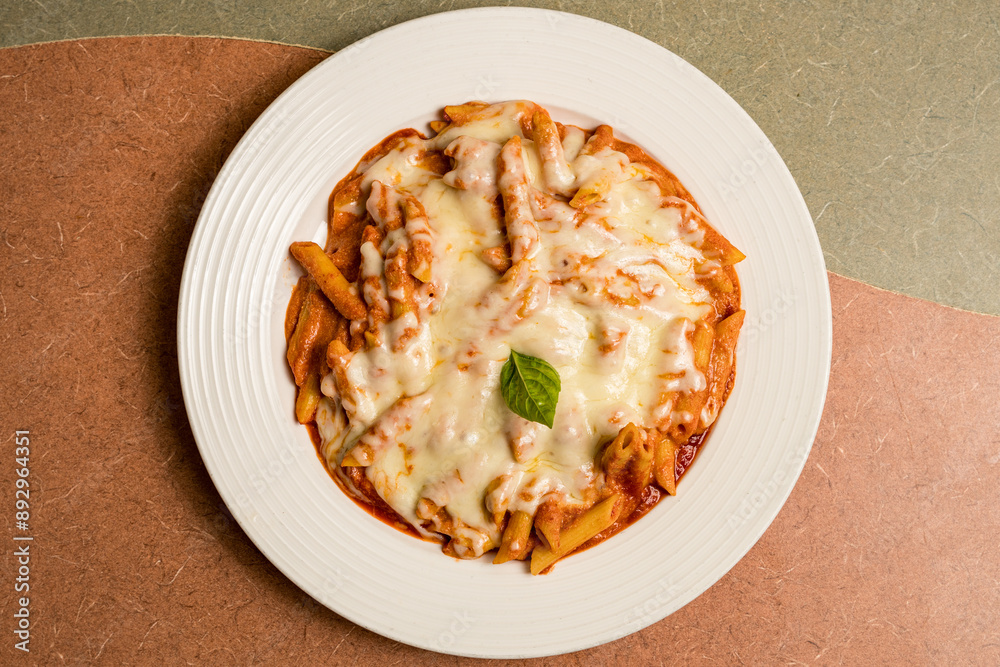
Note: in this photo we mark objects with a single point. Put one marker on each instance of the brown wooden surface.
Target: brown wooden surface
(885, 552)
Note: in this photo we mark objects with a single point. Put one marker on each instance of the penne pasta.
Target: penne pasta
(627, 460)
(620, 451)
(542, 402)
(593, 190)
(665, 463)
(497, 258)
(341, 293)
(514, 544)
(727, 253)
(337, 357)
(308, 398)
(513, 184)
(704, 335)
(603, 137)
(549, 519)
(475, 165)
(373, 287)
(687, 414)
(314, 330)
(342, 331)
(556, 172)
(598, 169)
(726, 334)
(722, 282)
(360, 455)
(599, 517)
(422, 238)
(463, 113)
(405, 240)
(728, 330)
(399, 284)
(383, 207)
(295, 306)
(344, 224)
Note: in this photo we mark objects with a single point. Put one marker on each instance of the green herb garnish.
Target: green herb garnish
(530, 387)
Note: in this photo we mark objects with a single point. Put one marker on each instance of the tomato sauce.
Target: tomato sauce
(378, 508)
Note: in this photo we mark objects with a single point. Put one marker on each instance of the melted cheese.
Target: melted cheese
(608, 298)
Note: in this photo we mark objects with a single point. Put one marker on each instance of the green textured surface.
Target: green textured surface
(887, 115)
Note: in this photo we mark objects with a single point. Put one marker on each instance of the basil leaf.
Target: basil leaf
(530, 387)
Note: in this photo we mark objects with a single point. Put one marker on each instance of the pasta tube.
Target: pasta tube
(336, 288)
(383, 206)
(556, 172)
(687, 409)
(337, 356)
(627, 459)
(343, 208)
(728, 253)
(599, 517)
(497, 258)
(513, 184)
(314, 330)
(419, 230)
(664, 463)
(514, 543)
(549, 522)
(463, 113)
(726, 334)
(597, 175)
(373, 284)
(687, 414)
(308, 398)
(406, 241)
(295, 306)
(721, 281)
(475, 165)
(704, 334)
(603, 137)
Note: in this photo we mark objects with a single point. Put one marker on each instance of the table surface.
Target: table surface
(889, 120)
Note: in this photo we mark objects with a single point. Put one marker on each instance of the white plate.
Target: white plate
(273, 190)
